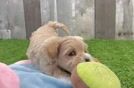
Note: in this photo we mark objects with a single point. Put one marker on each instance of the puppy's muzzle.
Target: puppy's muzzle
(88, 57)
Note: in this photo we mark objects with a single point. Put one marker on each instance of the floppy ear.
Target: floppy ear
(78, 37)
(53, 46)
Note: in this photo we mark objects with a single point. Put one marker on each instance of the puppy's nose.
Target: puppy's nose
(88, 57)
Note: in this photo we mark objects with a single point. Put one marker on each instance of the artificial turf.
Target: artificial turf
(118, 55)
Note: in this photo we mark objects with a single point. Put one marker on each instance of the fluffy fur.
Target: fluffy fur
(54, 55)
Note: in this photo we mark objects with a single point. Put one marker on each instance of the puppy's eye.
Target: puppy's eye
(73, 53)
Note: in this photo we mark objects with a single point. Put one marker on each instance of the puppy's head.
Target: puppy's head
(67, 52)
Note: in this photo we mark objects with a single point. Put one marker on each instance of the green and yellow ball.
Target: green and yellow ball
(94, 75)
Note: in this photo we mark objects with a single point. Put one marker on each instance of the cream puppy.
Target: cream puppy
(54, 55)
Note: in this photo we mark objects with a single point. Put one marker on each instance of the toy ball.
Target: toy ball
(97, 75)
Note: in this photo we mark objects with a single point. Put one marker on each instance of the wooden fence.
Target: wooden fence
(104, 19)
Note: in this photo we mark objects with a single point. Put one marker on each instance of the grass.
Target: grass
(117, 55)
(12, 50)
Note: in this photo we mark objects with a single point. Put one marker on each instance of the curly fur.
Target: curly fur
(51, 53)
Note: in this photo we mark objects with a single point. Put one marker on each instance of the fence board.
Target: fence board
(32, 15)
(105, 19)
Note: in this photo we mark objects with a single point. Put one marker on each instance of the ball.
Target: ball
(97, 75)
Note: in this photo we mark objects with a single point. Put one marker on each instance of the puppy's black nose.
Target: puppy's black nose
(87, 59)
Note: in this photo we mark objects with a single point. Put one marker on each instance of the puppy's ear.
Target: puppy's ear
(53, 46)
(78, 37)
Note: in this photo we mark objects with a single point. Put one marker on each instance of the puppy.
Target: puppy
(54, 55)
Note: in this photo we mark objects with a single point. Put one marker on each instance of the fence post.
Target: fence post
(32, 15)
(105, 19)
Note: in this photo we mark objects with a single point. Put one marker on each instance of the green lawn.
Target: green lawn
(12, 50)
(117, 55)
